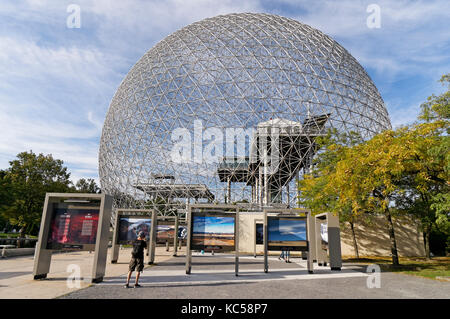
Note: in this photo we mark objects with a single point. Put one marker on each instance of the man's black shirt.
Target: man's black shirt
(138, 248)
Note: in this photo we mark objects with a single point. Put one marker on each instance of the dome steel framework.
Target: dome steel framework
(241, 71)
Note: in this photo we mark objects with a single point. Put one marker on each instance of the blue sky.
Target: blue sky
(56, 83)
(211, 224)
(286, 230)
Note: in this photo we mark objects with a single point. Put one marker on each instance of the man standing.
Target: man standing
(137, 259)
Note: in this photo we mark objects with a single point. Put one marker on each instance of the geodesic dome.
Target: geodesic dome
(230, 71)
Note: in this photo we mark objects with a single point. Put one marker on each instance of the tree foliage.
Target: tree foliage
(406, 169)
(24, 185)
(331, 149)
(437, 108)
(87, 186)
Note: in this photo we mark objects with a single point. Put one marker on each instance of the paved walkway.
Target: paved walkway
(213, 277)
(16, 279)
(220, 269)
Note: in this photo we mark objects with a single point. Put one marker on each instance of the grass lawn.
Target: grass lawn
(417, 266)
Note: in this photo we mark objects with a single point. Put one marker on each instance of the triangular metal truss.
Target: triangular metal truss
(231, 71)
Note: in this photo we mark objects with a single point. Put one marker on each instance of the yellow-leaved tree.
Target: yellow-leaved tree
(404, 170)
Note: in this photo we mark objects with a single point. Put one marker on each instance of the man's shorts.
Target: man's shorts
(136, 263)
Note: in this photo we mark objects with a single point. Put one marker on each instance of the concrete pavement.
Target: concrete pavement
(213, 277)
(16, 280)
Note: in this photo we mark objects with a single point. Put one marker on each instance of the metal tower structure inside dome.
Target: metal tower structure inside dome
(279, 150)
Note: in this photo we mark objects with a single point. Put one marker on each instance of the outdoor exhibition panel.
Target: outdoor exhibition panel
(328, 240)
(286, 233)
(288, 229)
(212, 228)
(74, 222)
(259, 234)
(128, 224)
(166, 232)
(181, 235)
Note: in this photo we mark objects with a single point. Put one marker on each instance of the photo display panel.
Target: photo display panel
(73, 227)
(165, 232)
(324, 234)
(213, 232)
(130, 226)
(259, 233)
(182, 232)
(287, 233)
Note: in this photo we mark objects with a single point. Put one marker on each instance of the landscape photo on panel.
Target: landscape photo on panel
(286, 232)
(213, 232)
(130, 226)
(73, 228)
(166, 232)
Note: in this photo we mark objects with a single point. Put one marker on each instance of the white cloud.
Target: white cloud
(401, 115)
(411, 34)
(42, 90)
(49, 82)
(160, 16)
(75, 145)
(347, 18)
(24, 59)
(98, 124)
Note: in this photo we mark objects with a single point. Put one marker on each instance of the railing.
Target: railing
(19, 242)
(234, 163)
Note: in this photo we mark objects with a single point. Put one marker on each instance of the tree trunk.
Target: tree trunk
(355, 244)
(392, 238)
(427, 227)
(21, 236)
(31, 231)
(424, 235)
(427, 243)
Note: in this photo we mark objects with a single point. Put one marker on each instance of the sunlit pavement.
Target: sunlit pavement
(214, 277)
(16, 273)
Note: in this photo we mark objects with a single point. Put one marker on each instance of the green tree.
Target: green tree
(312, 187)
(425, 184)
(437, 108)
(407, 168)
(428, 184)
(4, 196)
(26, 181)
(87, 186)
(392, 165)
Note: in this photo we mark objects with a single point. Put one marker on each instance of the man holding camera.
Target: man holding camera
(137, 259)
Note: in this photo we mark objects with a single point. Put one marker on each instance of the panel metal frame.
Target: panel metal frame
(189, 235)
(333, 255)
(43, 256)
(257, 221)
(131, 213)
(289, 212)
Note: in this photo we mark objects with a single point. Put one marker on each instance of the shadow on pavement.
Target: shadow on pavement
(218, 263)
(199, 278)
(193, 284)
(7, 275)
